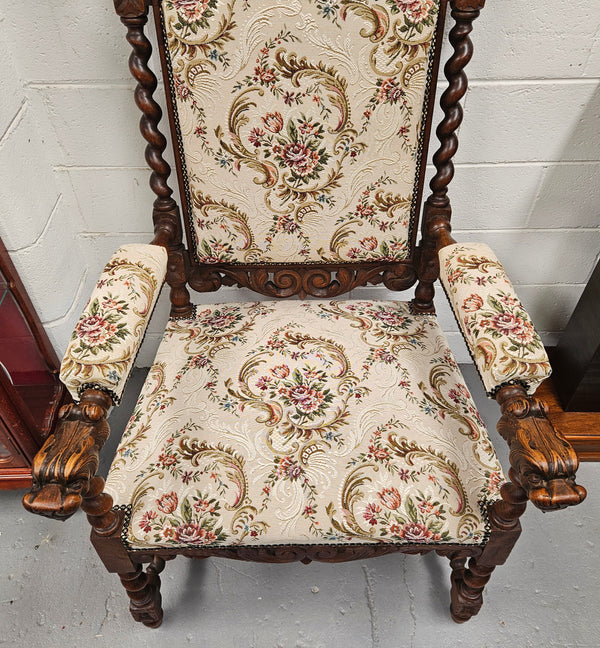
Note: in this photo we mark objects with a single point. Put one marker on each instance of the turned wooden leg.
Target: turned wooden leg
(143, 589)
(457, 563)
(467, 588)
(469, 581)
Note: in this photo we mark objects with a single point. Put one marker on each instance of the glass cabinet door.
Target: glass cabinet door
(30, 391)
(21, 360)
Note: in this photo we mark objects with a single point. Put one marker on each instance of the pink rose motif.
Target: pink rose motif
(168, 502)
(166, 460)
(218, 320)
(300, 158)
(390, 91)
(378, 453)
(389, 317)
(472, 303)
(94, 330)
(266, 75)
(284, 467)
(415, 532)
(191, 533)
(295, 471)
(211, 259)
(199, 361)
(366, 211)
(369, 243)
(209, 537)
(425, 506)
(453, 277)
(384, 356)
(417, 10)
(507, 323)
(273, 122)
(281, 371)
(526, 334)
(286, 223)
(390, 498)
(509, 301)
(191, 10)
(305, 398)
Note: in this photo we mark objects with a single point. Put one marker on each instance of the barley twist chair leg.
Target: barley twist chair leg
(467, 588)
(143, 589)
(469, 581)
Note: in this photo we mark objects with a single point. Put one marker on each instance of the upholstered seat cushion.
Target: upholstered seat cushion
(304, 422)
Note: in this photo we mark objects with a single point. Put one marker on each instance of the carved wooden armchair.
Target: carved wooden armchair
(302, 429)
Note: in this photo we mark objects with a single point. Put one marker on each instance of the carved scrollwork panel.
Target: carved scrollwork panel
(308, 553)
(317, 281)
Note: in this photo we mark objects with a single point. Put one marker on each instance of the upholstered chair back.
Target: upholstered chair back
(300, 126)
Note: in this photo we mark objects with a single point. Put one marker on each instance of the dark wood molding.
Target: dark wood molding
(580, 429)
(316, 280)
(130, 8)
(305, 553)
(467, 5)
(437, 210)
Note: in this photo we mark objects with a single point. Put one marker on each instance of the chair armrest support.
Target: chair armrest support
(496, 327)
(109, 333)
(64, 467)
(542, 461)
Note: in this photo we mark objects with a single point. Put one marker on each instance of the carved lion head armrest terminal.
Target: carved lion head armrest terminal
(64, 467)
(543, 462)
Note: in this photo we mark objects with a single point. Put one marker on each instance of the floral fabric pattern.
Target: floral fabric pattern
(496, 327)
(304, 422)
(109, 332)
(289, 115)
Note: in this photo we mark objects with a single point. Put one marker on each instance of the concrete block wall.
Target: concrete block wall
(74, 182)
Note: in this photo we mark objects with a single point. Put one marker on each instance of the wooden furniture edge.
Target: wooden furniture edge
(581, 429)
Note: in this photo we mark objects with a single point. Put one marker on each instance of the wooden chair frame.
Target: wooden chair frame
(543, 464)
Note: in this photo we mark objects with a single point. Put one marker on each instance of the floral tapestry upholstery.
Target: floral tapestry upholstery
(109, 332)
(300, 125)
(304, 423)
(495, 325)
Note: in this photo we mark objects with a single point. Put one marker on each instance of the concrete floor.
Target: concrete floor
(55, 592)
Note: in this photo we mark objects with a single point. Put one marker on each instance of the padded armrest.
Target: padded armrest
(110, 330)
(495, 325)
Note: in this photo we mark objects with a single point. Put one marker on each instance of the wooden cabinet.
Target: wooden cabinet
(30, 391)
(576, 359)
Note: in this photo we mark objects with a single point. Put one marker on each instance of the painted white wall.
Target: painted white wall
(74, 182)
